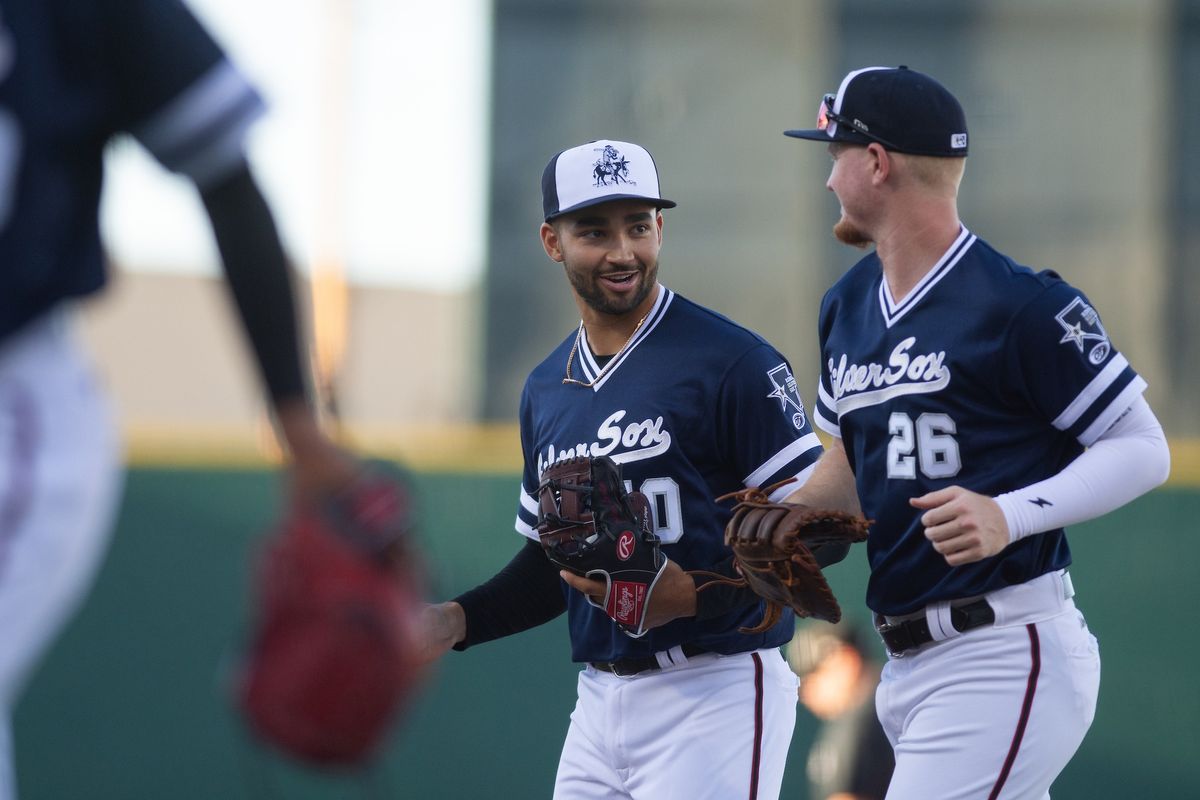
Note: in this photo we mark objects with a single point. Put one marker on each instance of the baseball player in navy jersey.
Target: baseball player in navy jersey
(692, 406)
(977, 407)
(73, 74)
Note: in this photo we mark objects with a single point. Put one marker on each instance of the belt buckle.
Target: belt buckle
(622, 669)
(883, 627)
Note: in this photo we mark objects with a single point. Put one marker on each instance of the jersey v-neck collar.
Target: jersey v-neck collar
(587, 360)
(893, 311)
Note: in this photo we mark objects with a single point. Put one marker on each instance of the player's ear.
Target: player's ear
(880, 163)
(658, 220)
(552, 242)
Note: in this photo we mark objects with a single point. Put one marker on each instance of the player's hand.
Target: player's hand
(963, 526)
(439, 628)
(674, 595)
(320, 474)
(318, 465)
(593, 588)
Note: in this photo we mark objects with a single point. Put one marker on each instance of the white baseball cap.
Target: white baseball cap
(598, 172)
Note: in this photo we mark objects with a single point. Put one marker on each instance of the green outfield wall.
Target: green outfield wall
(132, 702)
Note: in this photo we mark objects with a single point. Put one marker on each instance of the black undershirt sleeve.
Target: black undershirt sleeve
(526, 593)
(260, 280)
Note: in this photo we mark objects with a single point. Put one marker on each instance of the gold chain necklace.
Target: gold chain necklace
(611, 361)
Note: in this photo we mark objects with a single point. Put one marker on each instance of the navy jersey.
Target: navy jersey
(695, 407)
(72, 74)
(988, 376)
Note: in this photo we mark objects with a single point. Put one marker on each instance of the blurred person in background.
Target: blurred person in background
(977, 407)
(73, 75)
(850, 758)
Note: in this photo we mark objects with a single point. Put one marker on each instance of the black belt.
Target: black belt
(900, 637)
(632, 666)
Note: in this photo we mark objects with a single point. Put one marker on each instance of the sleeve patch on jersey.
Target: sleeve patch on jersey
(787, 393)
(1081, 327)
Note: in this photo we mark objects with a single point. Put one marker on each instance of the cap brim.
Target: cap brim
(815, 135)
(609, 198)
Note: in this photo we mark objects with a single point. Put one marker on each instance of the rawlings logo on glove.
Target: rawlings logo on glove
(589, 524)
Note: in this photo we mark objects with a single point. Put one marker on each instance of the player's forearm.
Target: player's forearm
(259, 278)
(1129, 460)
(526, 593)
(831, 484)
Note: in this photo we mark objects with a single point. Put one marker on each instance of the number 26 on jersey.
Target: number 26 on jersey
(926, 443)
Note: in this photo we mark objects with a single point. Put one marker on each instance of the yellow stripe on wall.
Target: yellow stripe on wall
(432, 448)
(1185, 462)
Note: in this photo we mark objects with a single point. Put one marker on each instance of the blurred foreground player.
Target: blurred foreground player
(74, 74)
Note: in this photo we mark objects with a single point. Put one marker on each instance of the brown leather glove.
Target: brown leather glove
(774, 544)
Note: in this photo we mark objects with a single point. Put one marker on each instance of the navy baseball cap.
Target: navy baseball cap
(900, 108)
(598, 172)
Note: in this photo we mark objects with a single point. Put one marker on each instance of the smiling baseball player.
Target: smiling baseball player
(689, 406)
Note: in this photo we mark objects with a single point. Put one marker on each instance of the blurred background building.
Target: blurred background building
(406, 142)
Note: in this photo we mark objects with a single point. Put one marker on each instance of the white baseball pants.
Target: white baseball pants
(59, 484)
(997, 712)
(714, 727)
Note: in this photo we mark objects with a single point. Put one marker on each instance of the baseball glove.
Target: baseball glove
(773, 546)
(333, 655)
(589, 524)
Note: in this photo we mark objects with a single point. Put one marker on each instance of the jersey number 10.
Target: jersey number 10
(932, 437)
(666, 508)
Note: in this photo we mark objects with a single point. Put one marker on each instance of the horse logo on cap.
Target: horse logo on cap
(611, 168)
